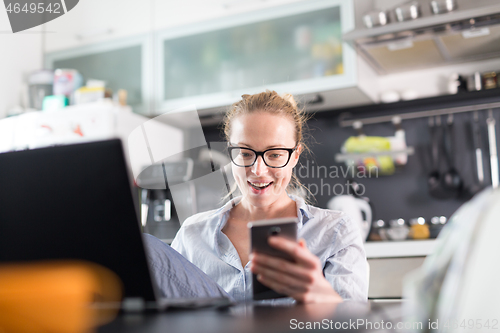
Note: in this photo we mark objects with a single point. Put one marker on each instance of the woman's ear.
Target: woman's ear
(299, 150)
(295, 157)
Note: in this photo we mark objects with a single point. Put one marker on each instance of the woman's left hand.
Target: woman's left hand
(303, 279)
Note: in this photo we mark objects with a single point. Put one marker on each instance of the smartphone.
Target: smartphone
(260, 231)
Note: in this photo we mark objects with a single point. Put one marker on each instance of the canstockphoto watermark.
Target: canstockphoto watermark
(353, 324)
(26, 14)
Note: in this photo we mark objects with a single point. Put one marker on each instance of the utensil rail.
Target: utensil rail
(418, 114)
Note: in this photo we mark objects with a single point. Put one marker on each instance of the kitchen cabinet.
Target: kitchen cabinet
(295, 48)
(387, 276)
(391, 261)
(122, 63)
(96, 21)
(168, 14)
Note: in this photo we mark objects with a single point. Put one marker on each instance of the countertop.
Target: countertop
(397, 249)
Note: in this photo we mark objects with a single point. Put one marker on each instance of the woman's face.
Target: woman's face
(260, 131)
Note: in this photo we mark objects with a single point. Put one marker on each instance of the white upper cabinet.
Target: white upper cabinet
(168, 13)
(295, 48)
(123, 63)
(94, 21)
(208, 53)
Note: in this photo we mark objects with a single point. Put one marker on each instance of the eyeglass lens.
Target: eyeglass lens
(246, 157)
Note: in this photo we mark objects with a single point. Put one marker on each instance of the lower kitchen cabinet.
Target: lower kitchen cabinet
(387, 275)
(390, 262)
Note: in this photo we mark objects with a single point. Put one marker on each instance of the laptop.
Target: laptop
(76, 202)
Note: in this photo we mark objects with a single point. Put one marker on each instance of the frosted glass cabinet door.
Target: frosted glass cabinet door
(271, 48)
(123, 64)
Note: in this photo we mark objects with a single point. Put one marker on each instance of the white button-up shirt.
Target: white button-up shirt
(329, 234)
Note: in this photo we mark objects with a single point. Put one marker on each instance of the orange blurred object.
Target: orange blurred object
(57, 296)
(418, 231)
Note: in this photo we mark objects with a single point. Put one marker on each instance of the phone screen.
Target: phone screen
(260, 231)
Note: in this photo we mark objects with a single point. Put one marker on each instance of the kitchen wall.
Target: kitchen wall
(432, 81)
(404, 194)
(20, 54)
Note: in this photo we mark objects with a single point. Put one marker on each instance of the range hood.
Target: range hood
(470, 33)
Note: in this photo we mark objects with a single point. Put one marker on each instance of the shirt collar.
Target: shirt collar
(303, 212)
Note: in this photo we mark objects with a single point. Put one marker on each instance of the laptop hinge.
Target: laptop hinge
(133, 304)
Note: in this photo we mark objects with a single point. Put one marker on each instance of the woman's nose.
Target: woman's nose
(259, 167)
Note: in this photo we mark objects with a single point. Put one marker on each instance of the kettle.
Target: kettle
(358, 209)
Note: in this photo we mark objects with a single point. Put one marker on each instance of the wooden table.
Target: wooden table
(251, 317)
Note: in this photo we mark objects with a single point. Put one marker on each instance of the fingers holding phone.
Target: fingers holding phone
(260, 232)
(284, 276)
(296, 272)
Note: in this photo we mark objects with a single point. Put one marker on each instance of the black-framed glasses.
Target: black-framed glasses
(273, 158)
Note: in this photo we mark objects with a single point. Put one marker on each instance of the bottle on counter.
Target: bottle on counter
(398, 230)
(490, 80)
(378, 232)
(419, 229)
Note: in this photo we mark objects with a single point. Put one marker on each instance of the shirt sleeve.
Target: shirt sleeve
(178, 242)
(346, 268)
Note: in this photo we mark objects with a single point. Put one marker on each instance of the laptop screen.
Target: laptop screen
(73, 202)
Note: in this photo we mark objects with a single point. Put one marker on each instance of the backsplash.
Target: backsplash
(405, 194)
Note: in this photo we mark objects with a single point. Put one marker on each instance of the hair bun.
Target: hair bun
(289, 98)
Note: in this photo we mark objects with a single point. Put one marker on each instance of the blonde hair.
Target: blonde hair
(284, 105)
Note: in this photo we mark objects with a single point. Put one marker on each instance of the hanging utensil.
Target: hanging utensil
(452, 181)
(493, 148)
(475, 143)
(435, 179)
(476, 138)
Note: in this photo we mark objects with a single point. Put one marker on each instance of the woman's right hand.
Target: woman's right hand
(302, 279)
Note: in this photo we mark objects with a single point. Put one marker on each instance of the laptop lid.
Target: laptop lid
(74, 202)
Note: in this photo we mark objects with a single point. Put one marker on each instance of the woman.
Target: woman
(264, 132)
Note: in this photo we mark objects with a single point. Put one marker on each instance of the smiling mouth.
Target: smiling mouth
(259, 186)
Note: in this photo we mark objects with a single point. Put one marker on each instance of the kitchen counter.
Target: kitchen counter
(391, 261)
(396, 249)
